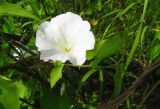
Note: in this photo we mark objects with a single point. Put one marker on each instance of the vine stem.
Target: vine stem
(149, 93)
(28, 103)
(89, 66)
(19, 62)
(112, 104)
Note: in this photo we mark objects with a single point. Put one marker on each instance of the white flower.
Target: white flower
(65, 37)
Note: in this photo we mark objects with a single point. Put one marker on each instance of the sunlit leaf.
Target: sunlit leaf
(109, 46)
(15, 10)
(155, 51)
(158, 32)
(20, 89)
(9, 96)
(56, 73)
(91, 54)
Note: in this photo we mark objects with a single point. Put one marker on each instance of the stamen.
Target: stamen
(68, 47)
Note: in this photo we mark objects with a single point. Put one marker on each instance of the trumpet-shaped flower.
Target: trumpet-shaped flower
(65, 37)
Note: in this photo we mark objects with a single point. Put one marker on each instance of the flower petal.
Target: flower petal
(84, 41)
(61, 26)
(60, 57)
(78, 57)
(47, 55)
(41, 39)
(78, 27)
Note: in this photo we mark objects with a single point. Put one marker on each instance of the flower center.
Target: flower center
(68, 47)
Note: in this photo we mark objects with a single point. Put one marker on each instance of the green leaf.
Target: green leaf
(157, 32)
(101, 84)
(124, 11)
(3, 57)
(1, 106)
(138, 35)
(73, 76)
(9, 96)
(56, 73)
(155, 51)
(15, 10)
(118, 76)
(86, 76)
(99, 5)
(143, 34)
(96, 5)
(108, 46)
(8, 26)
(91, 54)
(21, 89)
(50, 101)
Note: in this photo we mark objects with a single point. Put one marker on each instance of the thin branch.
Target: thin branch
(131, 89)
(7, 67)
(28, 103)
(89, 66)
(148, 94)
(17, 64)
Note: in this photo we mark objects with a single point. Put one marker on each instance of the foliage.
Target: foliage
(127, 36)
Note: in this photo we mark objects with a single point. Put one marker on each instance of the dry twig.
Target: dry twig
(131, 89)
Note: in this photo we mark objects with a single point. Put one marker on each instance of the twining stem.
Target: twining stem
(148, 94)
(130, 90)
(89, 66)
(28, 103)
(24, 60)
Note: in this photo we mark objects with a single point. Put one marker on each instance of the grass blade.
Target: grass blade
(136, 41)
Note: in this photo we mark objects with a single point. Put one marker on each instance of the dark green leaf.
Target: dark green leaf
(3, 58)
(101, 83)
(118, 80)
(1, 106)
(86, 76)
(50, 101)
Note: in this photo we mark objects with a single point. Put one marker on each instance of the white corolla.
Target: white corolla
(65, 37)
